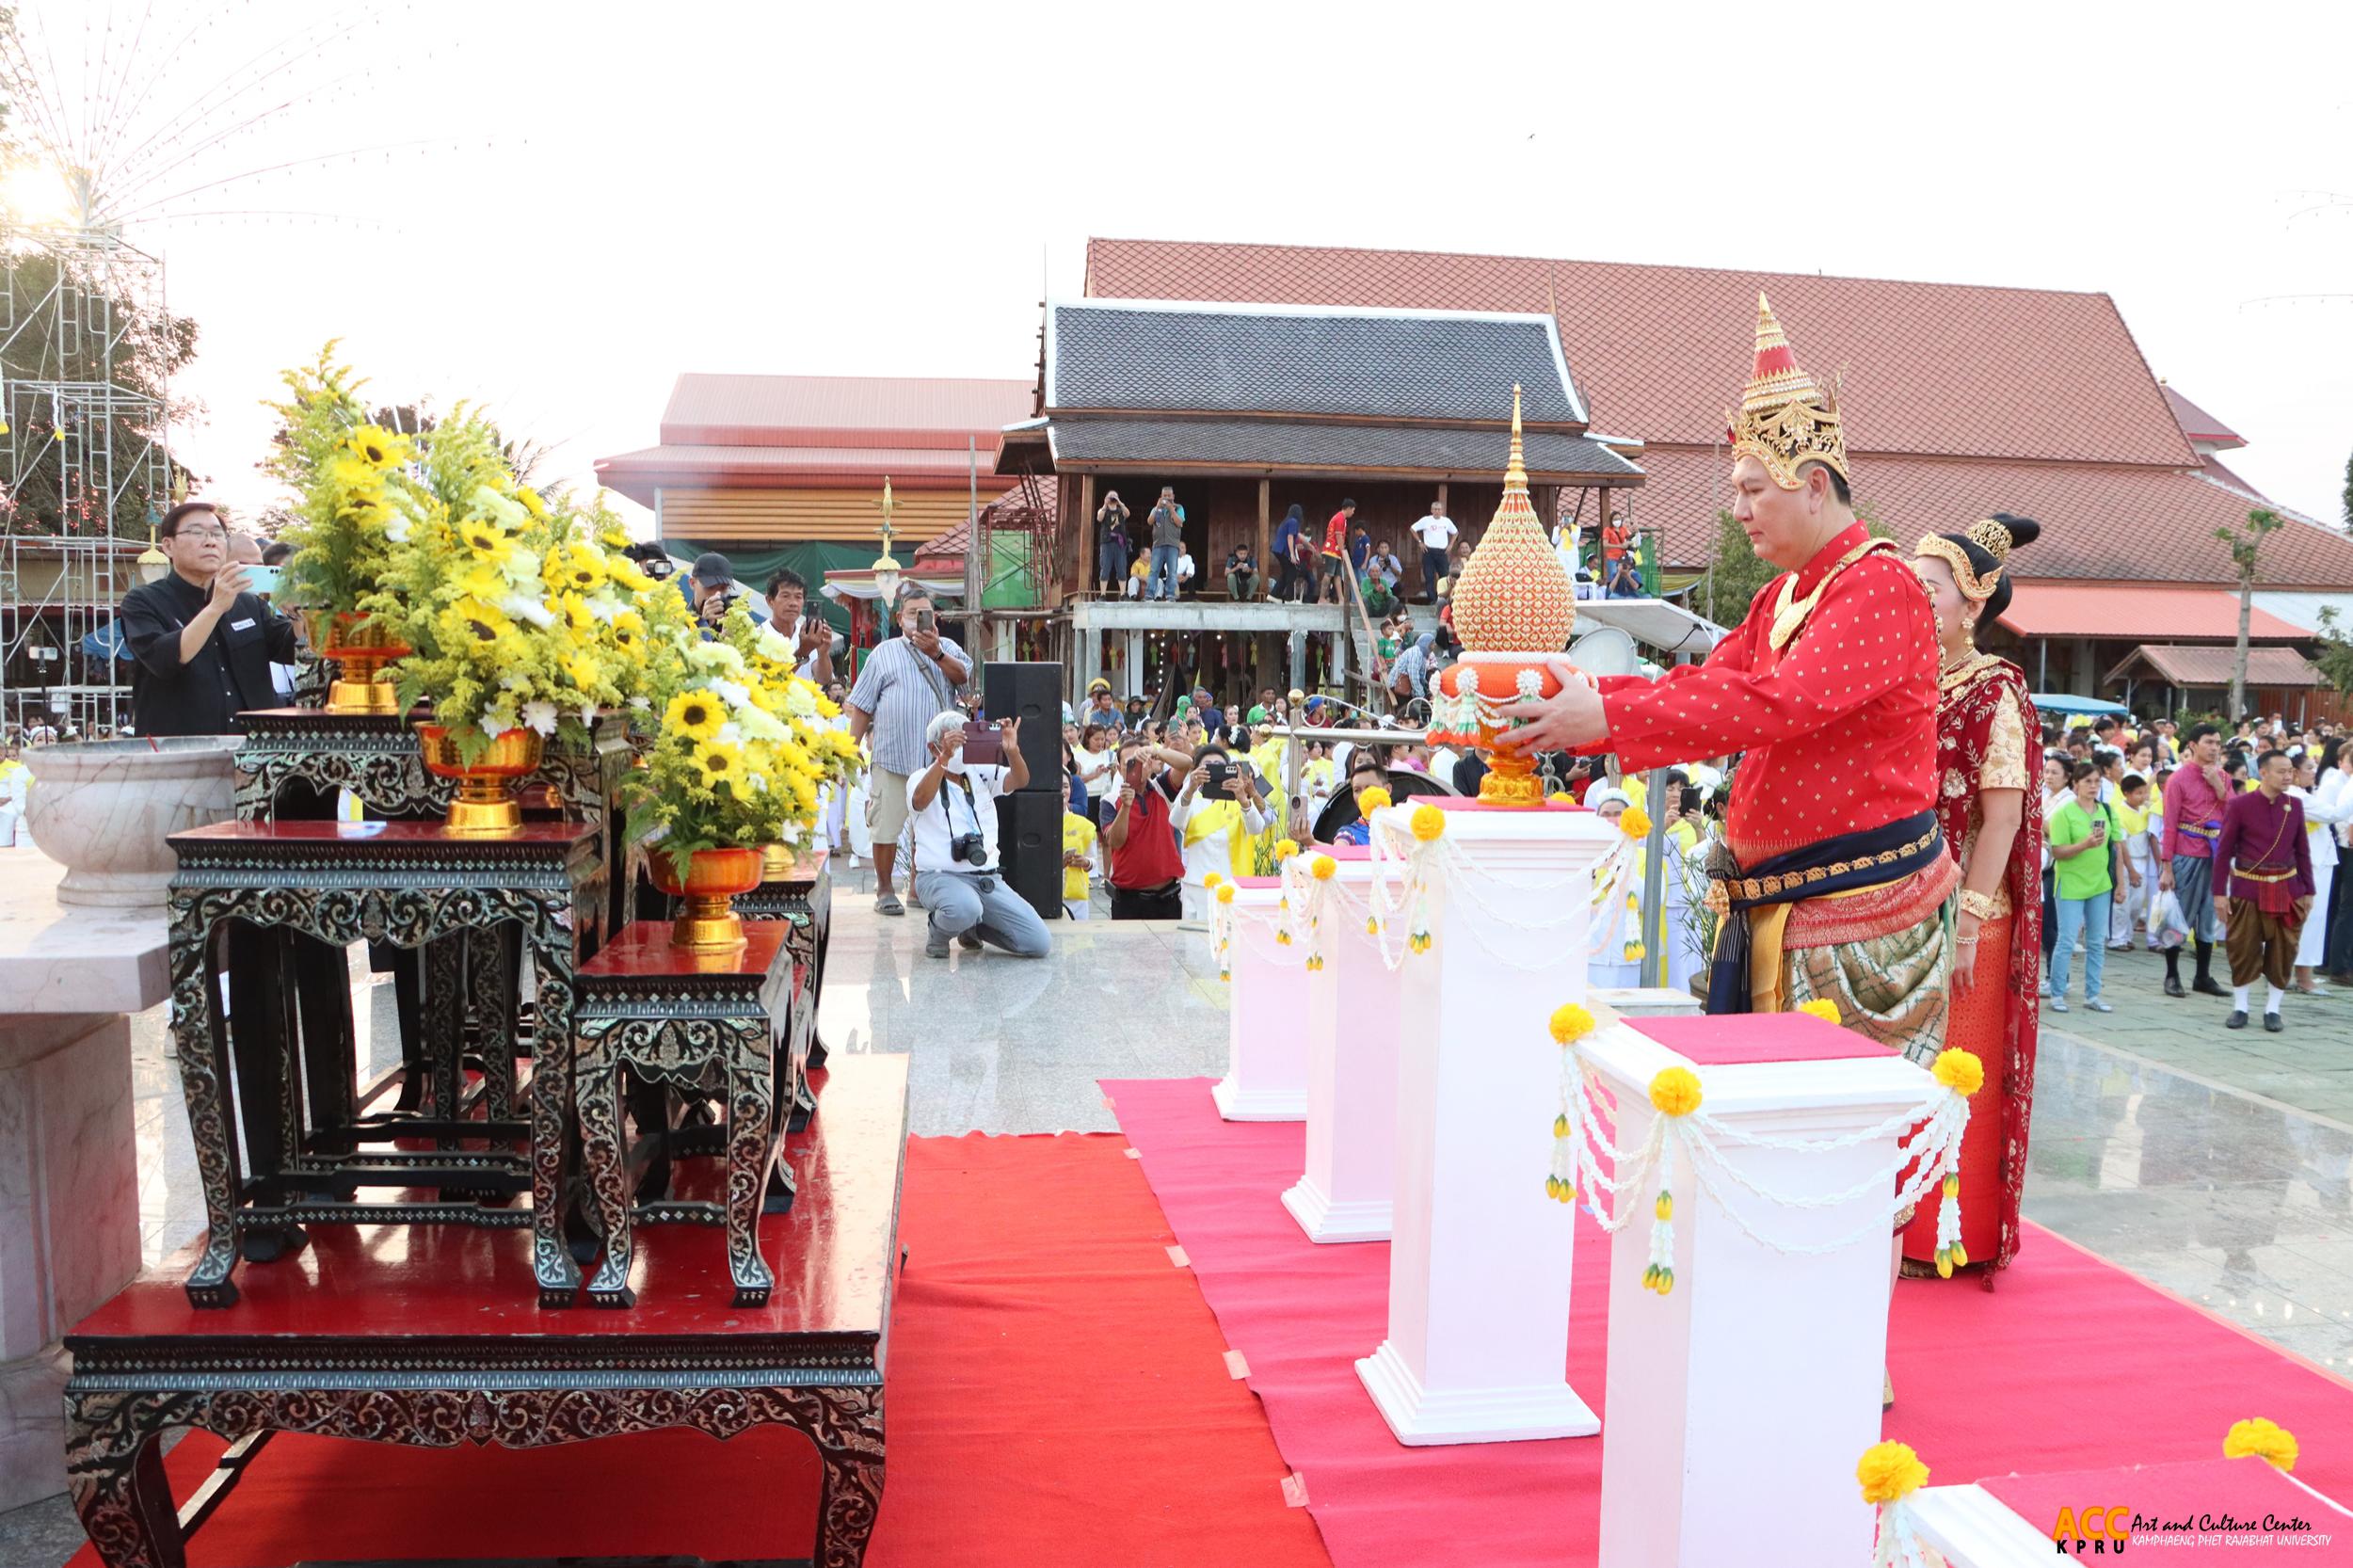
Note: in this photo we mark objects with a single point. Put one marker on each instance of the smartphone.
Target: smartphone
(1219, 771)
(927, 620)
(983, 742)
(265, 580)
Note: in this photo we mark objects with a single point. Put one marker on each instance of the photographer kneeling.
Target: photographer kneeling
(955, 827)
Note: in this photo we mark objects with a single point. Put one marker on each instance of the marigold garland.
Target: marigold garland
(1321, 867)
(1570, 1021)
(1429, 822)
(1634, 822)
(1890, 1472)
(1823, 1008)
(2264, 1439)
(1286, 848)
(1372, 800)
(1960, 1070)
(1675, 1092)
(1226, 893)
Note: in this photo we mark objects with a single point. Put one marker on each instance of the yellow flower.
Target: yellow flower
(1226, 893)
(1286, 848)
(719, 763)
(1889, 1471)
(1823, 1008)
(531, 504)
(1321, 867)
(1372, 800)
(1561, 797)
(1960, 1070)
(484, 537)
(2261, 1438)
(1213, 881)
(482, 620)
(697, 716)
(1675, 1092)
(583, 569)
(1634, 822)
(1429, 822)
(376, 447)
(1571, 1022)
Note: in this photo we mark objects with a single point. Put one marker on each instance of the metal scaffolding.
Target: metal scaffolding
(84, 471)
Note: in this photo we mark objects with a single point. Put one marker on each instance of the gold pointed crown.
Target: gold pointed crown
(1514, 593)
(1784, 419)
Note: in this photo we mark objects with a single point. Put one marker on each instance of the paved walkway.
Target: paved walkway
(2307, 1067)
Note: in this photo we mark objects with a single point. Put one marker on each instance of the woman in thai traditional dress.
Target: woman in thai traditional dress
(1990, 805)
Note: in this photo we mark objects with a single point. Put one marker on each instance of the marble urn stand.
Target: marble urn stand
(103, 809)
(69, 1166)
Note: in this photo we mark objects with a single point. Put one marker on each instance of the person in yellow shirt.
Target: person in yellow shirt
(2133, 818)
(1077, 861)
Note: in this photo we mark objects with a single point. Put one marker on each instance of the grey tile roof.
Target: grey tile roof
(1383, 364)
(1256, 443)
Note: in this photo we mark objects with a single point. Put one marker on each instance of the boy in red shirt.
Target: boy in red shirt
(1335, 548)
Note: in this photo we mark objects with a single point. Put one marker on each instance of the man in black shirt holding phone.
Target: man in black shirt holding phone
(204, 643)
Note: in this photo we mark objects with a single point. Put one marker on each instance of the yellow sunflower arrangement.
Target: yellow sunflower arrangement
(738, 757)
(355, 496)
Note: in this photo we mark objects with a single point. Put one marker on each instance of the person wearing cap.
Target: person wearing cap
(1102, 707)
(711, 588)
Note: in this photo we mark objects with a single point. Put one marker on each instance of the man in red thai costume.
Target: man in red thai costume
(1990, 806)
(2263, 886)
(1839, 886)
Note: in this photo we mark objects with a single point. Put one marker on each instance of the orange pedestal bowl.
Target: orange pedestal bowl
(707, 923)
(1472, 708)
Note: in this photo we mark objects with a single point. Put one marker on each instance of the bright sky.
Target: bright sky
(619, 192)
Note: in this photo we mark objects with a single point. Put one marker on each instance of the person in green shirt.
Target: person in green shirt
(2084, 850)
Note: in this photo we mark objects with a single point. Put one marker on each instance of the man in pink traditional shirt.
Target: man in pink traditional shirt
(2194, 798)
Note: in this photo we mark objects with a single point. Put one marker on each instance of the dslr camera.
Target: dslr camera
(968, 848)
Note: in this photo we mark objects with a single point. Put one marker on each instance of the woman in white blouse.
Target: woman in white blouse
(2328, 795)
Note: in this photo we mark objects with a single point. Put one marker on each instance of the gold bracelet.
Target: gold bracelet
(1979, 904)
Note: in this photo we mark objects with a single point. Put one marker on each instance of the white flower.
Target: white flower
(773, 644)
(642, 703)
(514, 680)
(732, 733)
(714, 656)
(397, 530)
(761, 725)
(800, 699)
(736, 694)
(508, 511)
(539, 716)
(525, 607)
(521, 567)
(499, 718)
(588, 711)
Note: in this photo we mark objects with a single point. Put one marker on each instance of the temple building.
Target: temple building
(1247, 410)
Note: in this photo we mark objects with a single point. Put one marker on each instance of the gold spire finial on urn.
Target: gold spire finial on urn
(1514, 595)
(1514, 608)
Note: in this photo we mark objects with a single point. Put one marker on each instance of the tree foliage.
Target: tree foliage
(2244, 544)
(1737, 574)
(2336, 652)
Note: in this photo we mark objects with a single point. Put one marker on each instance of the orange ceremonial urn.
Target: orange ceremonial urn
(1514, 608)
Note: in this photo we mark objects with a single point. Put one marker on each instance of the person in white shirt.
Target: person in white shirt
(1219, 807)
(811, 635)
(1184, 569)
(1436, 534)
(2326, 792)
(964, 895)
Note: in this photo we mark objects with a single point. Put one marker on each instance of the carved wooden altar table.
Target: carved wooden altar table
(436, 1343)
(413, 885)
(718, 1027)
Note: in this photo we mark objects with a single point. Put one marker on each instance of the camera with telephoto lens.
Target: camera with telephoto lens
(968, 848)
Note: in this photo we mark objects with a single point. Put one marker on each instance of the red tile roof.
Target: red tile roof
(2101, 610)
(2197, 424)
(2208, 665)
(1659, 351)
(2100, 524)
(841, 410)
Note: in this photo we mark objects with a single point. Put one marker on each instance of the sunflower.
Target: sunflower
(481, 620)
(697, 716)
(376, 447)
(583, 570)
(719, 763)
(483, 537)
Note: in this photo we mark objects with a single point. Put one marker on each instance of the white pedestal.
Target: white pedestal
(1646, 1001)
(1352, 1002)
(69, 1159)
(1971, 1528)
(1479, 1257)
(1739, 1400)
(1266, 1070)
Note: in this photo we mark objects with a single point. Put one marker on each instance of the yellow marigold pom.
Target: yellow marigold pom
(1213, 881)
(1571, 1022)
(1321, 868)
(1561, 797)
(1823, 1008)
(1634, 822)
(1429, 822)
(1373, 799)
(1960, 1070)
(1286, 848)
(2263, 1439)
(1889, 1471)
(1226, 893)
(1675, 1092)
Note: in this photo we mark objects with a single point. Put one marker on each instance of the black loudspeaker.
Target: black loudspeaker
(1028, 846)
(1032, 694)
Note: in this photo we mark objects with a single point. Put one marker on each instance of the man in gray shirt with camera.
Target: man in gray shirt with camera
(956, 845)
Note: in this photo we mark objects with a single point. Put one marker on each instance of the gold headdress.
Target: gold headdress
(1989, 535)
(1785, 420)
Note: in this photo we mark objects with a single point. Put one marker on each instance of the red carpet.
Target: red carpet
(2070, 1365)
(1057, 1393)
